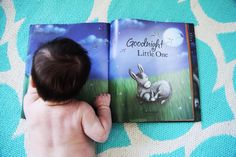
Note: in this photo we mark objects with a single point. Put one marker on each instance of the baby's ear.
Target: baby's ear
(32, 82)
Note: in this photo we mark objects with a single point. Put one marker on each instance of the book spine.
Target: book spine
(195, 75)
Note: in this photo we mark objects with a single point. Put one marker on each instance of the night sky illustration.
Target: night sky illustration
(123, 57)
(92, 36)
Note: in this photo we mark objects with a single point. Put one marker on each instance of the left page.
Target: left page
(94, 37)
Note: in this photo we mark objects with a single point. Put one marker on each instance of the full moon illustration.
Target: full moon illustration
(173, 37)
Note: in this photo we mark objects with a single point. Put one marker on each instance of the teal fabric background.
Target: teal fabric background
(215, 26)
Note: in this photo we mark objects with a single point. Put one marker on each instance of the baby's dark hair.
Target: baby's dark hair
(59, 70)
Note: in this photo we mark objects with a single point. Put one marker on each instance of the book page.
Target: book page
(94, 37)
(149, 72)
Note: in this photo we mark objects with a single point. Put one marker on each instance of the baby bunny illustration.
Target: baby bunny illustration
(156, 91)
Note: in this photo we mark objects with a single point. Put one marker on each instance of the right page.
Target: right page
(153, 71)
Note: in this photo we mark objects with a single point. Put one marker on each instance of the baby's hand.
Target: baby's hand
(103, 100)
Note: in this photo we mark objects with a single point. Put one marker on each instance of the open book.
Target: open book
(149, 68)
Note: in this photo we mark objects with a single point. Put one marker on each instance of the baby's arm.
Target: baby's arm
(97, 127)
(31, 95)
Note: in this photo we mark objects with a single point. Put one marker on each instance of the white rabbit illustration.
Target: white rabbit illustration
(156, 91)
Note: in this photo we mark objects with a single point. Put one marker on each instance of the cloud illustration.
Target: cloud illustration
(92, 39)
(49, 29)
(183, 55)
(129, 23)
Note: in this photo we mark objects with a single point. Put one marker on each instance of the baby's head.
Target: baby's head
(59, 70)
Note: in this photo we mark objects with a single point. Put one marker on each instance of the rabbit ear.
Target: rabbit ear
(140, 68)
(133, 75)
